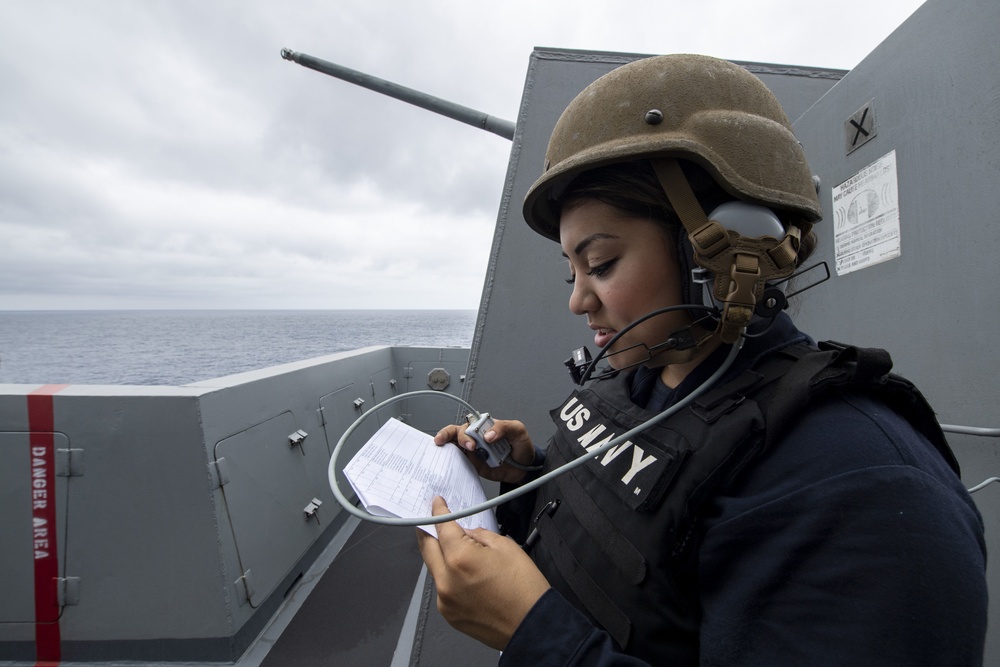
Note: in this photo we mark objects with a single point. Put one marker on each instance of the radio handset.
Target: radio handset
(495, 453)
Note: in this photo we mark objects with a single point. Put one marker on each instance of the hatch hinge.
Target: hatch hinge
(297, 439)
(244, 588)
(69, 462)
(68, 591)
(219, 470)
(312, 509)
(322, 417)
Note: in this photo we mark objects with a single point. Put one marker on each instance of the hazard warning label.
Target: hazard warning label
(866, 216)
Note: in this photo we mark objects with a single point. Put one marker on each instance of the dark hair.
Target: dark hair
(630, 187)
(633, 189)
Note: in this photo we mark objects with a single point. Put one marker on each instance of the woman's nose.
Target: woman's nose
(582, 300)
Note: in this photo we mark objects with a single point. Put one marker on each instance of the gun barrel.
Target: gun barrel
(483, 121)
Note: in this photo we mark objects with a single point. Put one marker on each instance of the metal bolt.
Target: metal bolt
(654, 117)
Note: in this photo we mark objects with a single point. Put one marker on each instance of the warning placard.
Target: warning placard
(866, 216)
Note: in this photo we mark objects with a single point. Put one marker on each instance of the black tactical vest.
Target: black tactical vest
(620, 544)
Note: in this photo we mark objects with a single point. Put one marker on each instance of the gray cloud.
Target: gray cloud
(161, 154)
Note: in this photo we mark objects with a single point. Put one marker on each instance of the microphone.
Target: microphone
(581, 367)
(577, 363)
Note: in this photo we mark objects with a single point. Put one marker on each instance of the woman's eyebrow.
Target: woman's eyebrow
(582, 245)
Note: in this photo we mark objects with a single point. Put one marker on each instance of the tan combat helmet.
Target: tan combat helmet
(713, 113)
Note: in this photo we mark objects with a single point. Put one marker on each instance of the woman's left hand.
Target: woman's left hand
(486, 584)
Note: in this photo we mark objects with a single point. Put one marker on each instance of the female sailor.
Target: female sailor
(781, 503)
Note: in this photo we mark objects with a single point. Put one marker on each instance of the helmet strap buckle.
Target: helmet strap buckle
(742, 265)
(744, 283)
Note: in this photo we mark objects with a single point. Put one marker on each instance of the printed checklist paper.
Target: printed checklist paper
(400, 470)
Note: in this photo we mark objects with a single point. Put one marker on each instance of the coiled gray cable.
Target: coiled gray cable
(521, 490)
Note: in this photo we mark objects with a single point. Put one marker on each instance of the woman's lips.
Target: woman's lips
(603, 336)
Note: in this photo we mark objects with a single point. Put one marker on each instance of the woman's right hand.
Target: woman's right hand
(522, 449)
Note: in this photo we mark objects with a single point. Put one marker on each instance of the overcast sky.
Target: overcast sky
(161, 154)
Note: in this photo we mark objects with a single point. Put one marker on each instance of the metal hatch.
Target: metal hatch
(25, 532)
(273, 469)
(444, 372)
(342, 407)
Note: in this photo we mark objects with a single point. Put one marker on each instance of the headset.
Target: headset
(749, 221)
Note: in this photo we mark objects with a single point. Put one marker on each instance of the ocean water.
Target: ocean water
(171, 347)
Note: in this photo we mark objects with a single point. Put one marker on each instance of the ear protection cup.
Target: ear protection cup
(749, 220)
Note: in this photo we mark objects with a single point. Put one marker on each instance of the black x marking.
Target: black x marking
(859, 125)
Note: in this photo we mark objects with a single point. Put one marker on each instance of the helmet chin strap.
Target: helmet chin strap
(742, 266)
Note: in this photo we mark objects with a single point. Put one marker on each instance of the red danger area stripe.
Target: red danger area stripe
(41, 425)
